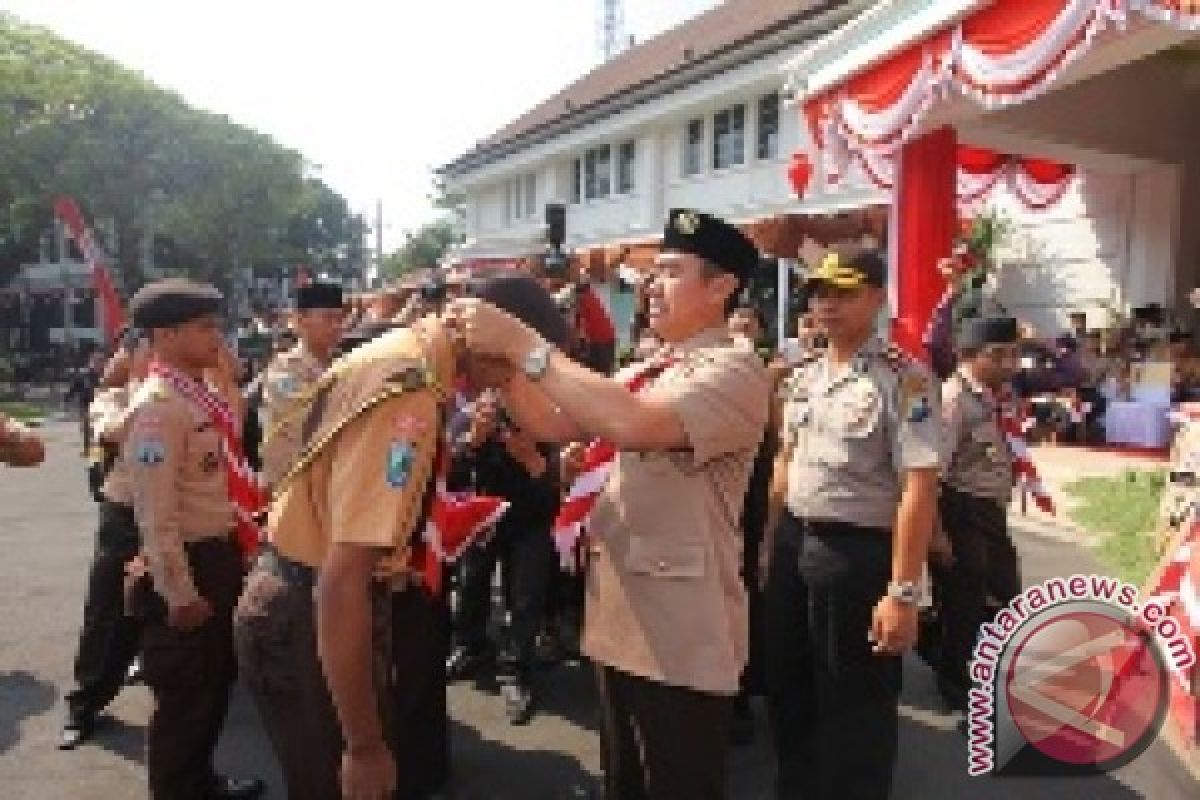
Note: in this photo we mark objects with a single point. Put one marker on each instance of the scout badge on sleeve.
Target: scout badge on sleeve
(399, 463)
(151, 451)
(914, 398)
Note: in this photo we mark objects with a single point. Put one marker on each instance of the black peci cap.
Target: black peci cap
(172, 302)
(976, 332)
(713, 239)
(319, 295)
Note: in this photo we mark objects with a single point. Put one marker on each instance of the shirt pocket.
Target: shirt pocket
(678, 560)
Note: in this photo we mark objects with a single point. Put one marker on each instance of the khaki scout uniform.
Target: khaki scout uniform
(665, 600)
(109, 638)
(177, 487)
(286, 383)
(853, 431)
(368, 439)
(977, 485)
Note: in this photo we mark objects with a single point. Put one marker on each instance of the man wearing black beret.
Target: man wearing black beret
(182, 456)
(666, 611)
(977, 483)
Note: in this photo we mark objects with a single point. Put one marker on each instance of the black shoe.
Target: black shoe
(227, 788)
(464, 662)
(79, 729)
(518, 702)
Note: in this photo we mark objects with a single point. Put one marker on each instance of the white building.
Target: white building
(700, 117)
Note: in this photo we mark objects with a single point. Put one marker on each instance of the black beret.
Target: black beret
(171, 302)
(978, 332)
(524, 298)
(850, 270)
(319, 295)
(712, 239)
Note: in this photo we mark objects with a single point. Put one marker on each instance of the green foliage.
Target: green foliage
(216, 194)
(1123, 509)
(423, 247)
(24, 412)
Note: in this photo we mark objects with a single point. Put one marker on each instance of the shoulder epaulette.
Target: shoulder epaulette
(896, 358)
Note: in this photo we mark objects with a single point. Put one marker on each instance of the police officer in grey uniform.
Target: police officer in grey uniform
(976, 488)
(855, 491)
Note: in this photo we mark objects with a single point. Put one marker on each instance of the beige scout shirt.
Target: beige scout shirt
(364, 470)
(854, 431)
(664, 596)
(177, 484)
(978, 461)
(287, 380)
(109, 415)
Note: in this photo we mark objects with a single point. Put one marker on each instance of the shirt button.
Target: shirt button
(662, 566)
(595, 550)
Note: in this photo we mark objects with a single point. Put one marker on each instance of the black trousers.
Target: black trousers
(832, 702)
(526, 556)
(275, 634)
(191, 675)
(109, 639)
(660, 742)
(985, 566)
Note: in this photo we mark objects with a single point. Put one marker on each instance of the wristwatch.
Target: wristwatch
(536, 361)
(907, 592)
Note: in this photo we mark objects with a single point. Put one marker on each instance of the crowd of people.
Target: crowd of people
(746, 523)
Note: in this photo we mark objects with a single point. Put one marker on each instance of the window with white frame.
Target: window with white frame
(693, 147)
(729, 137)
(768, 126)
(626, 166)
(576, 180)
(530, 194)
(597, 172)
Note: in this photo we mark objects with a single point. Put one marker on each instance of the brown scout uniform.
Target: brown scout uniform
(177, 487)
(666, 610)
(109, 638)
(370, 436)
(288, 379)
(664, 597)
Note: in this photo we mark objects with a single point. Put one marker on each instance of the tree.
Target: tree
(423, 247)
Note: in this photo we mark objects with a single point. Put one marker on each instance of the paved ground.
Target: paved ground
(46, 525)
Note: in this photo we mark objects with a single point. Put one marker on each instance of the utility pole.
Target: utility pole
(379, 239)
(612, 28)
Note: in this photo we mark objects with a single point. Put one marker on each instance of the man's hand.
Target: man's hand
(191, 616)
(893, 626)
(368, 773)
(487, 330)
(523, 449)
(571, 462)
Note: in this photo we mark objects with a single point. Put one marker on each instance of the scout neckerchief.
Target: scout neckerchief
(1013, 427)
(598, 459)
(245, 491)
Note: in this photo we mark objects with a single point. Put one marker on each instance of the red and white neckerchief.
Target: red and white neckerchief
(1014, 425)
(246, 492)
(598, 459)
(456, 520)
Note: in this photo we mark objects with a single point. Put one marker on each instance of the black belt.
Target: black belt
(821, 526)
(291, 571)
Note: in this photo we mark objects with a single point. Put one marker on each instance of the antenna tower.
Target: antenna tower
(612, 28)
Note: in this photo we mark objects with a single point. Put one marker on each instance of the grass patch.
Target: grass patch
(24, 412)
(1123, 510)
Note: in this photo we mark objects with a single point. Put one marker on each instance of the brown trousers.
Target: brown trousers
(275, 635)
(191, 675)
(660, 742)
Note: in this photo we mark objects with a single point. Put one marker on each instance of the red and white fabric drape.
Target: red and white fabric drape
(1002, 55)
(1037, 183)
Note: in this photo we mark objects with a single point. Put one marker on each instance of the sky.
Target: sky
(374, 92)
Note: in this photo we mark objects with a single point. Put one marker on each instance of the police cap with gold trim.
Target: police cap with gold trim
(171, 302)
(850, 270)
(710, 238)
